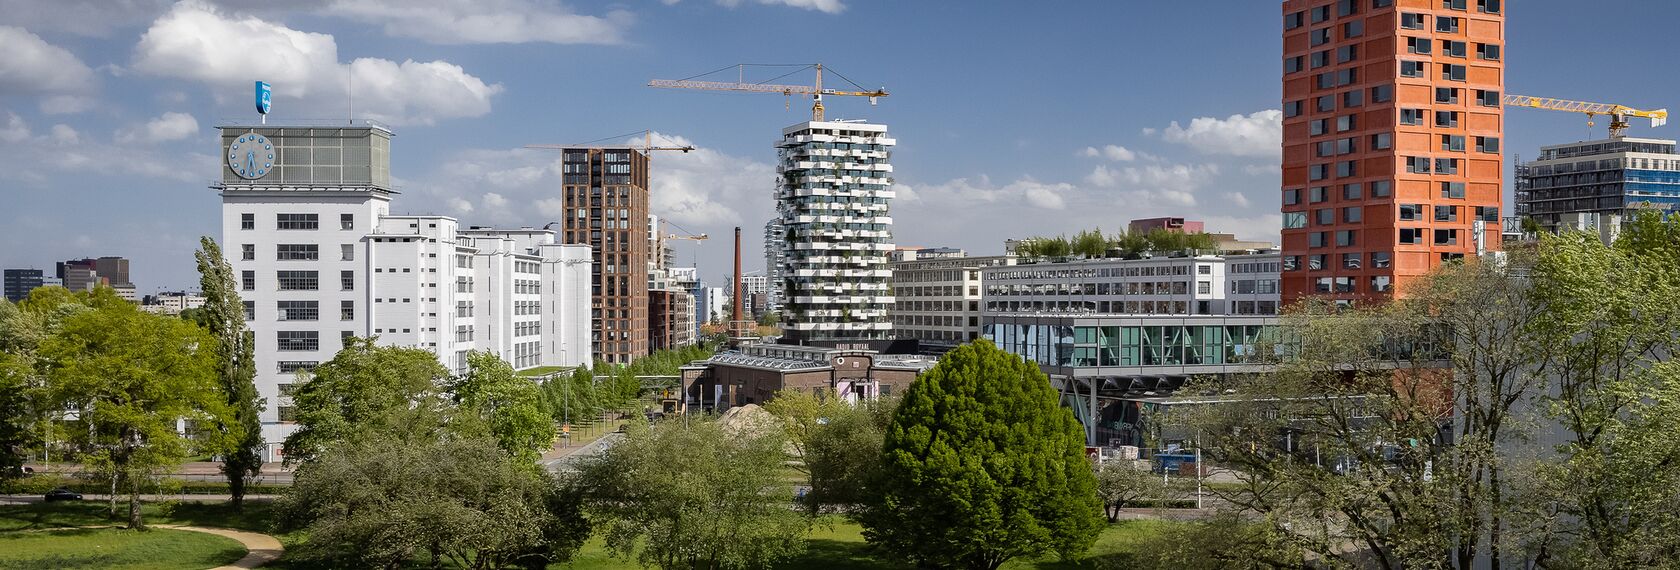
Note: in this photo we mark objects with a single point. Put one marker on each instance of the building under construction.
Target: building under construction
(1596, 185)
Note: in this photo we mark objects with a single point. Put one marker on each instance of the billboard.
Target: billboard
(265, 97)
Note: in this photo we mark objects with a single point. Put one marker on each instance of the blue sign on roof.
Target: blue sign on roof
(265, 97)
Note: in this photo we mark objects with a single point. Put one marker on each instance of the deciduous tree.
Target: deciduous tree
(223, 315)
(508, 406)
(360, 392)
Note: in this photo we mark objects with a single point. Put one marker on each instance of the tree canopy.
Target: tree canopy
(223, 316)
(361, 390)
(981, 464)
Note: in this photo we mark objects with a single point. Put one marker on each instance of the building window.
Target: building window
(1346, 123)
(1446, 25)
(1316, 262)
(298, 340)
(1446, 237)
(1319, 194)
(1351, 260)
(295, 366)
(1320, 59)
(297, 221)
(1324, 216)
(1453, 190)
(1411, 116)
(1290, 22)
(1417, 164)
(298, 310)
(1380, 259)
(347, 280)
(1381, 188)
(1352, 191)
(1291, 196)
(1452, 72)
(346, 310)
(1353, 29)
(1488, 6)
(1487, 98)
(248, 252)
(1453, 4)
(1318, 172)
(1345, 238)
(1319, 37)
(250, 310)
(1353, 98)
(297, 252)
(346, 221)
(1326, 103)
(1382, 93)
(288, 413)
(1294, 220)
(1411, 236)
(1292, 64)
(1317, 127)
(1488, 145)
(1317, 239)
(347, 252)
(1353, 214)
(1446, 95)
(1204, 288)
(1446, 166)
(1487, 213)
(1347, 53)
(248, 280)
(1452, 143)
(1446, 119)
(247, 221)
(1446, 213)
(1411, 21)
(1454, 48)
(1420, 46)
(1382, 141)
(298, 280)
(1410, 212)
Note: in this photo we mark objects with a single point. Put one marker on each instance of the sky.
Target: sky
(1012, 119)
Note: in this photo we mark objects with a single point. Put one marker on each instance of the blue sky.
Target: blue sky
(1013, 119)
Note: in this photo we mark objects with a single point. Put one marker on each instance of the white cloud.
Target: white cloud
(494, 200)
(1272, 170)
(460, 205)
(1115, 153)
(80, 17)
(192, 41)
(1047, 196)
(31, 66)
(1171, 183)
(15, 130)
(1258, 134)
(485, 21)
(825, 6)
(63, 134)
(170, 126)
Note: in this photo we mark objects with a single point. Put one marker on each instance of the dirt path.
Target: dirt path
(260, 548)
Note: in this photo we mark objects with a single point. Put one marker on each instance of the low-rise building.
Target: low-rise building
(1597, 185)
(937, 294)
(755, 373)
(172, 302)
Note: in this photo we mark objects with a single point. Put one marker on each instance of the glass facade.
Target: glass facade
(1140, 345)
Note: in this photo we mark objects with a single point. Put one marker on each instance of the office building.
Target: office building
(19, 282)
(756, 290)
(1391, 141)
(672, 318)
(834, 184)
(1597, 185)
(606, 199)
(1112, 332)
(937, 294)
(172, 302)
(306, 225)
(775, 257)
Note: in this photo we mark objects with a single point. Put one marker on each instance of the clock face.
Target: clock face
(251, 156)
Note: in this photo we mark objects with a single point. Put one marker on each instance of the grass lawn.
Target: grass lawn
(85, 513)
(117, 549)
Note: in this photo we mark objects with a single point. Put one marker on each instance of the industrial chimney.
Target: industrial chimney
(738, 327)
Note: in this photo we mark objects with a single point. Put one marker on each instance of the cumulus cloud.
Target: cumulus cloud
(484, 21)
(192, 41)
(37, 159)
(1115, 153)
(1258, 134)
(31, 66)
(981, 190)
(825, 6)
(15, 130)
(170, 126)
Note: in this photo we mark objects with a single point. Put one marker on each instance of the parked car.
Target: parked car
(63, 494)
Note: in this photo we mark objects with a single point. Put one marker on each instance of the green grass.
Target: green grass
(116, 549)
(38, 516)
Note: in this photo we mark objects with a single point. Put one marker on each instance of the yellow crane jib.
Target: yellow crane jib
(1618, 113)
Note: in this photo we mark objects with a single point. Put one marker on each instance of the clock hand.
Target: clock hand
(250, 162)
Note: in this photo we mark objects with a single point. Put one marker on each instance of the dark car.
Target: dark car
(63, 494)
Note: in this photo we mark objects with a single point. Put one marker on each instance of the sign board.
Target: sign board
(265, 97)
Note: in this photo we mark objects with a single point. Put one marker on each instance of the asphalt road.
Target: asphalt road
(568, 462)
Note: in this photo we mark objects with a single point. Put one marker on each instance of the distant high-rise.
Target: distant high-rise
(775, 256)
(606, 198)
(1583, 184)
(19, 282)
(1391, 141)
(835, 181)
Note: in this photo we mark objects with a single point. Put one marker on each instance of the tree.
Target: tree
(838, 443)
(1090, 244)
(20, 388)
(691, 495)
(223, 315)
(1120, 483)
(981, 464)
(377, 502)
(128, 376)
(508, 406)
(361, 390)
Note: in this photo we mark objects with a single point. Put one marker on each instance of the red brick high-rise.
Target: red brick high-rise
(1391, 141)
(606, 199)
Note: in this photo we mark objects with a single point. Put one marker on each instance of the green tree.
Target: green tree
(838, 443)
(128, 376)
(1090, 244)
(683, 495)
(982, 465)
(223, 315)
(1120, 483)
(509, 406)
(20, 388)
(361, 390)
(379, 503)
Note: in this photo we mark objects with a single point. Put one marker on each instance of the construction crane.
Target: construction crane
(816, 91)
(1618, 113)
(700, 237)
(647, 145)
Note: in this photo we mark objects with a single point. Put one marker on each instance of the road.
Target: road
(565, 460)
